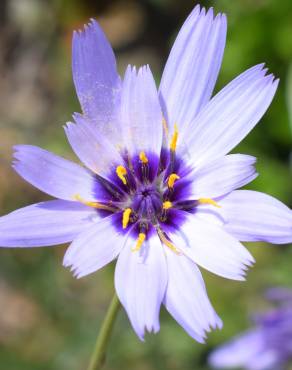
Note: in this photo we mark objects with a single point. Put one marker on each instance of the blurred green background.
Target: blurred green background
(48, 319)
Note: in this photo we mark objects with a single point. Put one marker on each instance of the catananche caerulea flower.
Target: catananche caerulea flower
(267, 346)
(158, 191)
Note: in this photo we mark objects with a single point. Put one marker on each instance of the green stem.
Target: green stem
(99, 353)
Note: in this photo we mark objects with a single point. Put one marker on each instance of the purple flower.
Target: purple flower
(267, 346)
(159, 188)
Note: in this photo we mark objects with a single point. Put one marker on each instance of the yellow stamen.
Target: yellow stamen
(139, 243)
(143, 158)
(164, 124)
(167, 242)
(126, 217)
(167, 204)
(174, 139)
(209, 201)
(121, 172)
(172, 179)
(93, 204)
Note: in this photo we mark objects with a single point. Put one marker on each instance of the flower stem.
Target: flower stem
(99, 353)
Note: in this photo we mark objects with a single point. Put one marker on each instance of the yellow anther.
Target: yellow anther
(93, 204)
(167, 242)
(167, 204)
(209, 201)
(126, 217)
(143, 158)
(174, 139)
(172, 179)
(121, 172)
(139, 243)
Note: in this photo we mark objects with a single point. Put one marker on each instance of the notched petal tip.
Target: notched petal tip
(68, 126)
(89, 26)
(218, 323)
(152, 329)
(140, 336)
(222, 18)
(93, 22)
(203, 11)
(17, 148)
(130, 70)
(202, 339)
(210, 12)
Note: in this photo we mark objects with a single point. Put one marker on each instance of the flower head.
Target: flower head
(267, 346)
(158, 191)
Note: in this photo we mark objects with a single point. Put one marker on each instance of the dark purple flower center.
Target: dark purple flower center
(146, 194)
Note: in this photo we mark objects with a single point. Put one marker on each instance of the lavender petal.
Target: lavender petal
(140, 281)
(95, 73)
(192, 67)
(212, 248)
(255, 216)
(94, 248)
(94, 149)
(186, 297)
(223, 175)
(140, 112)
(52, 174)
(230, 115)
(47, 223)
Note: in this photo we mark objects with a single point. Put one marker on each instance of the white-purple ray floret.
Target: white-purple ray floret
(267, 345)
(158, 189)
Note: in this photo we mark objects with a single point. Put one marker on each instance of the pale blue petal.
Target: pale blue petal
(239, 352)
(140, 112)
(222, 175)
(140, 281)
(186, 298)
(47, 223)
(93, 149)
(229, 116)
(192, 67)
(211, 247)
(255, 216)
(95, 74)
(52, 174)
(95, 247)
